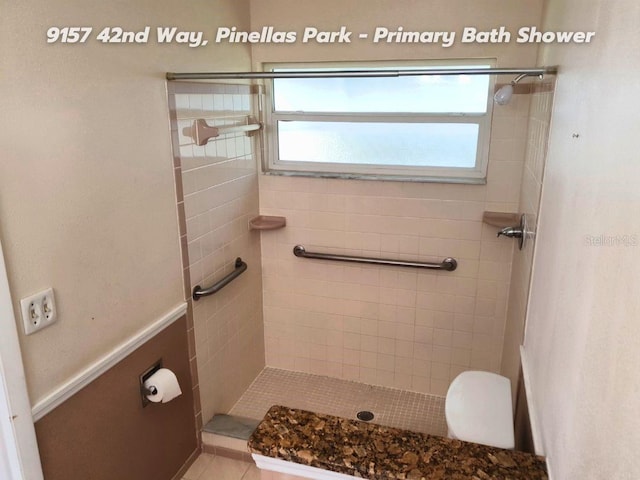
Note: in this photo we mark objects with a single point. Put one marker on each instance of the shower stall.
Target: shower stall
(322, 301)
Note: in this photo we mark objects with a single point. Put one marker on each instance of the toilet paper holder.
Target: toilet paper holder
(144, 391)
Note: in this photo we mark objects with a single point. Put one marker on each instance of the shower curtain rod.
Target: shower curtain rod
(529, 72)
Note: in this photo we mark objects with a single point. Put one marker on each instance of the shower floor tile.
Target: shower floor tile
(393, 408)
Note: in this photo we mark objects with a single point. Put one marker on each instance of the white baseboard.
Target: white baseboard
(93, 371)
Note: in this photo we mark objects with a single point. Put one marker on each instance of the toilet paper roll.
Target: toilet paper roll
(165, 383)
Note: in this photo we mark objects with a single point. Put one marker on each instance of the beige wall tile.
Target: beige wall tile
(221, 195)
(407, 221)
(531, 187)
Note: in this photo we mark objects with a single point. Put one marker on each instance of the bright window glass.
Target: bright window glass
(408, 127)
(410, 144)
(414, 94)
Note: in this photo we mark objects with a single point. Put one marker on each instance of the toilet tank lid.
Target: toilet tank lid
(478, 409)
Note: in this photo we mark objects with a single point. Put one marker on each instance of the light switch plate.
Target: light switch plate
(38, 311)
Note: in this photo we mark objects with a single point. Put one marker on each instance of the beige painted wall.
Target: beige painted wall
(87, 202)
(393, 327)
(365, 15)
(582, 333)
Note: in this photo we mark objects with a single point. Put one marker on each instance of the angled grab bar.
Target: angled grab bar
(449, 264)
(199, 292)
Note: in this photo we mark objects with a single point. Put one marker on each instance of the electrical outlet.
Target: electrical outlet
(38, 311)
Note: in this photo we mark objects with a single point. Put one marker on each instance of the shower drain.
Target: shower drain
(365, 415)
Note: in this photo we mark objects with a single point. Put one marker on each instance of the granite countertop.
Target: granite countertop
(375, 452)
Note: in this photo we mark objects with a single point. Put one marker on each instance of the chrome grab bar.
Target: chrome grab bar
(530, 72)
(199, 292)
(449, 264)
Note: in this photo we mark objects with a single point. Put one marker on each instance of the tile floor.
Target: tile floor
(391, 407)
(210, 467)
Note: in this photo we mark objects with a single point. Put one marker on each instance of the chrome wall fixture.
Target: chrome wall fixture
(525, 72)
(518, 231)
(448, 264)
(199, 292)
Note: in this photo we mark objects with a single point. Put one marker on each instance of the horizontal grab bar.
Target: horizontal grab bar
(449, 264)
(199, 292)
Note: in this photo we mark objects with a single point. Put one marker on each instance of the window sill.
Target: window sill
(382, 178)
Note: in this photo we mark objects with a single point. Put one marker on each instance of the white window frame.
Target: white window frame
(476, 175)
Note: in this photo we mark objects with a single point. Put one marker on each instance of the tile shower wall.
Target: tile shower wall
(532, 176)
(392, 326)
(217, 191)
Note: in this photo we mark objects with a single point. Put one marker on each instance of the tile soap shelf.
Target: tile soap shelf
(500, 219)
(267, 222)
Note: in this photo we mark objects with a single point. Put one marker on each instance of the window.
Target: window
(421, 128)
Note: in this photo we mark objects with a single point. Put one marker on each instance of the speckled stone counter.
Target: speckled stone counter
(374, 452)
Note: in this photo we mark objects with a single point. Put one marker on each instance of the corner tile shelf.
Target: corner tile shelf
(501, 219)
(267, 222)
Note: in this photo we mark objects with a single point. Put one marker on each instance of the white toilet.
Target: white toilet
(478, 409)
